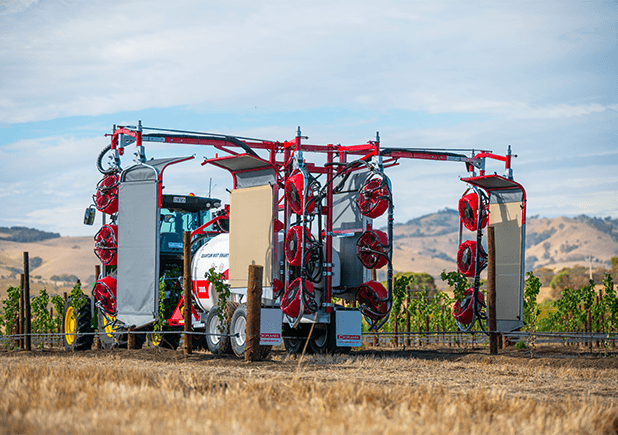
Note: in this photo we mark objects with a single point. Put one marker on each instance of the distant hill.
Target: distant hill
(25, 235)
(429, 243)
(424, 244)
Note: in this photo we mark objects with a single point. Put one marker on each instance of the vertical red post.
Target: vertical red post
(491, 291)
(329, 231)
(187, 292)
(97, 273)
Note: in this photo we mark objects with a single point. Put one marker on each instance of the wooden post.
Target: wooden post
(131, 338)
(187, 292)
(22, 342)
(491, 291)
(26, 291)
(254, 308)
(408, 317)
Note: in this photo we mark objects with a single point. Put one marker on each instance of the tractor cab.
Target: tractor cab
(180, 213)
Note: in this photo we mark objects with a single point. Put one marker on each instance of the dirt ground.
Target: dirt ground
(550, 373)
(429, 390)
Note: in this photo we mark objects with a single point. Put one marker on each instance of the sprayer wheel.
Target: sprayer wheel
(77, 322)
(297, 344)
(217, 344)
(238, 330)
(322, 340)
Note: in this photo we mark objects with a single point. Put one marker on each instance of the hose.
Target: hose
(112, 169)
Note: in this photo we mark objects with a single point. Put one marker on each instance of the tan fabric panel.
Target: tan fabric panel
(251, 233)
(506, 219)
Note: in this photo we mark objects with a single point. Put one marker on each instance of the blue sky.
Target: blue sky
(538, 75)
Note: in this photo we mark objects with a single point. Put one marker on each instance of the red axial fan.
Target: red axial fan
(106, 198)
(372, 249)
(293, 244)
(290, 302)
(106, 244)
(294, 188)
(370, 296)
(373, 197)
(466, 256)
(463, 309)
(468, 211)
(104, 292)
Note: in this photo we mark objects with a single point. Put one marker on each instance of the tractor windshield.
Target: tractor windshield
(180, 214)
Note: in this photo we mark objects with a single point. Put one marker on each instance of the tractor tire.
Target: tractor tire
(219, 344)
(77, 323)
(198, 342)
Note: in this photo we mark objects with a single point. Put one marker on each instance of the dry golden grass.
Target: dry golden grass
(148, 392)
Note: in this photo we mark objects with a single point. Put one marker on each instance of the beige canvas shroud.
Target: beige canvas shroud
(506, 218)
(251, 233)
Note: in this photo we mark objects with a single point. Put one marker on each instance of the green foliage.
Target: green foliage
(521, 345)
(223, 293)
(10, 309)
(58, 304)
(78, 298)
(42, 321)
(531, 307)
(457, 281)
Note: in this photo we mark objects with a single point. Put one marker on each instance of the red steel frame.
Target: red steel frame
(228, 144)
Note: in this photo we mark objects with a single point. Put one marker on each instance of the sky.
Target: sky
(540, 76)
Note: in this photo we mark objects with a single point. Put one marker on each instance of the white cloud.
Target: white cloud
(74, 58)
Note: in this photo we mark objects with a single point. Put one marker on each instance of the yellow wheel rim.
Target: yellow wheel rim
(155, 339)
(70, 325)
(108, 322)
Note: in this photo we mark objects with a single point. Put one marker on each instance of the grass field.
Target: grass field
(414, 391)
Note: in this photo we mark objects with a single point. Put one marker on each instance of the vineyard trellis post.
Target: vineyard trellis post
(408, 316)
(254, 306)
(26, 292)
(21, 329)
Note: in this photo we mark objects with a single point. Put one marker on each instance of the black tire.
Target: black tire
(297, 344)
(219, 344)
(77, 323)
(322, 339)
(198, 341)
